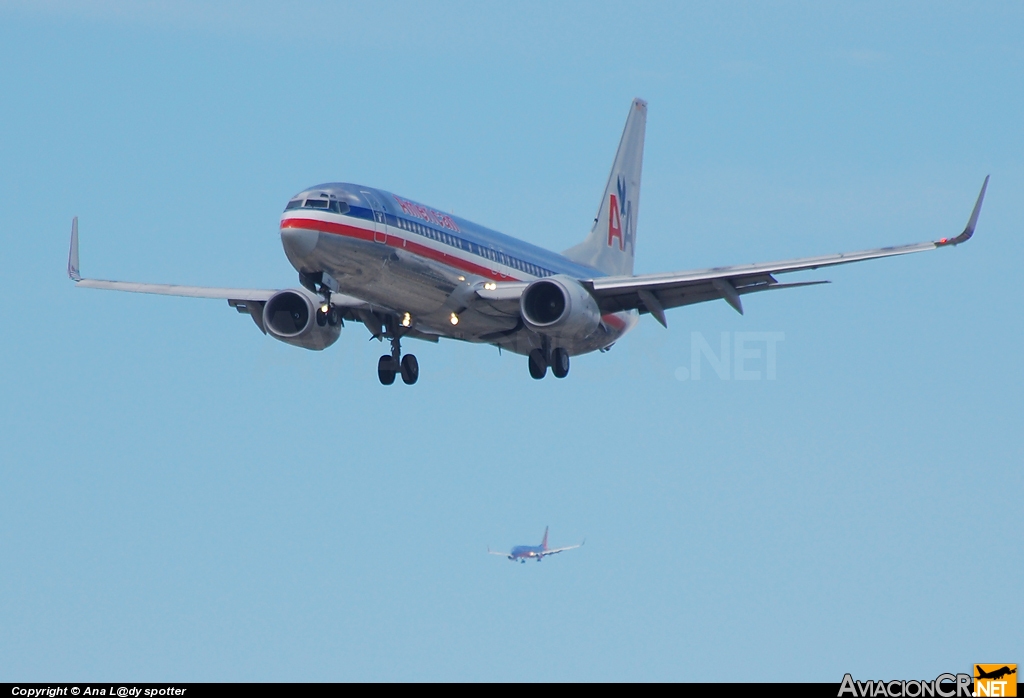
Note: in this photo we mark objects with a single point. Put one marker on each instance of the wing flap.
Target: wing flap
(750, 273)
(675, 297)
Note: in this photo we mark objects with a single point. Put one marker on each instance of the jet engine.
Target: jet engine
(291, 316)
(559, 306)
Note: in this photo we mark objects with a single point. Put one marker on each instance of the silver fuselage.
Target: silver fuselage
(408, 258)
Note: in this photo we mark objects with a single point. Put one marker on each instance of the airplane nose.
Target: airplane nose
(299, 242)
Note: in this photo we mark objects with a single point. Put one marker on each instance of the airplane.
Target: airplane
(537, 552)
(996, 674)
(405, 270)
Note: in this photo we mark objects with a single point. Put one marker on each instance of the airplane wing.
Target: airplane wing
(562, 550)
(236, 297)
(495, 552)
(655, 293)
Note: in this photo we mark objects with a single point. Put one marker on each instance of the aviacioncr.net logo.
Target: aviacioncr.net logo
(943, 686)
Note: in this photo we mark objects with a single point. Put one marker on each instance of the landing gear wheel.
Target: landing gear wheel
(333, 317)
(386, 370)
(410, 369)
(538, 364)
(560, 363)
(321, 317)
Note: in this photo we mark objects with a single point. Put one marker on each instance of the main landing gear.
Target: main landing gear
(539, 362)
(393, 364)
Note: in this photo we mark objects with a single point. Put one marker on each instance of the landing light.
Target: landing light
(454, 319)
(324, 308)
(462, 278)
(490, 286)
(406, 320)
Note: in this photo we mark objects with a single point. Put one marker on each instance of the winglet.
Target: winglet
(73, 273)
(971, 224)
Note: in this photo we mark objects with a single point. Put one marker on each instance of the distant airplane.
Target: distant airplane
(408, 270)
(537, 552)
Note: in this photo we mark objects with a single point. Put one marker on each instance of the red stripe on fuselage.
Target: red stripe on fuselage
(396, 241)
(352, 231)
(614, 321)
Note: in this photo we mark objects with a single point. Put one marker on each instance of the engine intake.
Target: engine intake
(287, 314)
(559, 307)
(290, 316)
(544, 303)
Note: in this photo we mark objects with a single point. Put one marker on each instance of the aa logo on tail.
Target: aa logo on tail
(620, 218)
(995, 680)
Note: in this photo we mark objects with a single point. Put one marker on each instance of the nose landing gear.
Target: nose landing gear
(324, 285)
(410, 369)
(386, 370)
(331, 316)
(393, 364)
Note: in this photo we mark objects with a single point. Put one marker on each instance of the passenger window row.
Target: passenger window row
(494, 255)
(335, 206)
(427, 231)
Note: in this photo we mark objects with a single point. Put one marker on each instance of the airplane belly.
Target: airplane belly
(383, 275)
(522, 340)
(420, 285)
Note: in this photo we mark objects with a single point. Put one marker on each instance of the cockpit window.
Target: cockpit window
(331, 204)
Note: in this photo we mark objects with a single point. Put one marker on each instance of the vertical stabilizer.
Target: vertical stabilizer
(544, 543)
(611, 244)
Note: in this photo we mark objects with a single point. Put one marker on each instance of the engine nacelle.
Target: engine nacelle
(291, 316)
(559, 306)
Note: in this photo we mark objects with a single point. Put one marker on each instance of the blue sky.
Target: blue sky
(182, 498)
